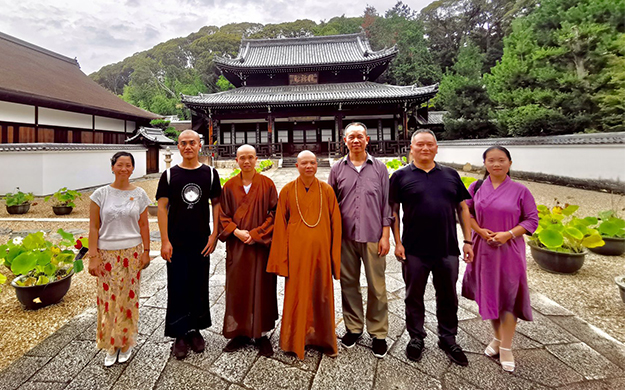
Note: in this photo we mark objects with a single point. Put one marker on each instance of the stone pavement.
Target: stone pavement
(556, 350)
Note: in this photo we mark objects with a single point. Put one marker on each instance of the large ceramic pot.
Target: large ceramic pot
(557, 262)
(620, 282)
(36, 297)
(614, 246)
(62, 210)
(153, 210)
(18, 209)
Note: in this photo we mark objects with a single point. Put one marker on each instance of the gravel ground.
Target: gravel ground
(591, 293)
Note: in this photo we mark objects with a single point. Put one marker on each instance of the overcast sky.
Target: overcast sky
(101, 32)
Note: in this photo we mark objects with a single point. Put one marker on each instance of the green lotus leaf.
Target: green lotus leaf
(557, 228)
(588, 221)
(78, 265)
(3, 279)
(43, 257)
(573, 233)
(609, 228)
(570, 209)
(42, 280)
(542, 208)
(593, 241)
(557, 217)
(24, 263)
(551, 238)
(49, 269)
(34, 241)
(618, 222)
(607, 214)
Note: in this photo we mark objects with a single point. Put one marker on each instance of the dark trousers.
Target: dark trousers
(416, 271)
(187, 292)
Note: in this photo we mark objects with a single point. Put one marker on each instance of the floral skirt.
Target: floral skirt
(118, 298)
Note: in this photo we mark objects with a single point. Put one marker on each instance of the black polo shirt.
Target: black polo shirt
(429, 201)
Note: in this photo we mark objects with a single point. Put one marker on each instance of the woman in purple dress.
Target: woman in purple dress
(502, 211)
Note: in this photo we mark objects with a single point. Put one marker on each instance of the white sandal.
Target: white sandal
(492, 350)
(507, 365)
(110, 359)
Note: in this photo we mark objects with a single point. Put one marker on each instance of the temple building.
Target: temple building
(294, 94)
(46, 98)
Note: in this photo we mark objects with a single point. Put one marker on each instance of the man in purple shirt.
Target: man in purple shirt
(361, 185)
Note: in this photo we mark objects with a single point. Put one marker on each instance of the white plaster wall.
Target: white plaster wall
(110, 124)
(15, 112)
(49, 116)
(45, 172)
(131, 126)
(598, 162)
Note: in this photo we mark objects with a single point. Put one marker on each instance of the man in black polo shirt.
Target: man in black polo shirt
(430, 195)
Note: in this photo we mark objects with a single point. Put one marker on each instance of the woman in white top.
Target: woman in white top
(119, 247)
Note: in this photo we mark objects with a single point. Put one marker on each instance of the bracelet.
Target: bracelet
(467, 242)
(146, 250)
(512, 234)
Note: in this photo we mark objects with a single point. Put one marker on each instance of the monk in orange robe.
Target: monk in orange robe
(246, 225)
(306, 250)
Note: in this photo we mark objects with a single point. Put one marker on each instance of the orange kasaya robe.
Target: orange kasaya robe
(251, 303)
(308, 258)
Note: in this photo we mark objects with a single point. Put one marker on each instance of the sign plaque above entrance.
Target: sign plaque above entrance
(303, 78)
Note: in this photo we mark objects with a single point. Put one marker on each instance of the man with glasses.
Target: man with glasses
(431, 195)
(361, 184)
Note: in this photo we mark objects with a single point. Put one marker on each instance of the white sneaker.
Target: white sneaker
(124, 356)
(110, 359)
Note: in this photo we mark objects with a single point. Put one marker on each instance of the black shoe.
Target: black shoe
(236, 343)
(379, 348)
(454, 353)
(181, 348)
(350, 339)
(196, 341)
(414, 349)
(264, 346)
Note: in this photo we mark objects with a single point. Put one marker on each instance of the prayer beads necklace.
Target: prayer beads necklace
(300, 210)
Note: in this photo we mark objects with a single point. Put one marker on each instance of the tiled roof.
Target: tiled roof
(152, 135)
(315, 94)
(434, 118)
(32, 74)
(301, 52)
(45, 147)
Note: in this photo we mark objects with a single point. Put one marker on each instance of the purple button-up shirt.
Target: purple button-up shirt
(363, 198)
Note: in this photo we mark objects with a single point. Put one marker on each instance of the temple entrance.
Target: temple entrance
(303, 137)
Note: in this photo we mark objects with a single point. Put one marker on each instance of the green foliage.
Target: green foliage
(223, 180)
(463, 95)
(467, 180)
(223, 84)
(559, 230)
(40, 260)
(64, 197)
(169, 131)
(264, 165)
(18, 198)
(562, 69)
(611, 225)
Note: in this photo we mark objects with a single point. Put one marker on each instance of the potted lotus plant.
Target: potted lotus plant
(560, 241)
(42, 269)
(18, 202)
(612, 230)
(153, 208)
(63, 200)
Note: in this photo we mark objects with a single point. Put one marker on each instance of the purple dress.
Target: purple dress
(497, 277)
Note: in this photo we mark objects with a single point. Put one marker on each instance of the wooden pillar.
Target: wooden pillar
(270, 126)
(404, 122)
(218, 132)
(396, 127)
(232, 137)
(338, 127)
(210, 131)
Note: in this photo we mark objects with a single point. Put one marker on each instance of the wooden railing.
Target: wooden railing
(386, 148)
(230, 151)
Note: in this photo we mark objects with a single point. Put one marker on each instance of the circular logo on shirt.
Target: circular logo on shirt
(191, 194)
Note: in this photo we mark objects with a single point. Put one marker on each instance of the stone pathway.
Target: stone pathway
(556, 350)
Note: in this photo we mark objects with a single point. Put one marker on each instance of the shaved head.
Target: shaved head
(304, 154)
(190, 132)
(246, 148)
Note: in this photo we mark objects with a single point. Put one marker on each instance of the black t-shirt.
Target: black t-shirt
(429, 201)
(189, 191)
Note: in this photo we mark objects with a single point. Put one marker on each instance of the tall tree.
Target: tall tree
(463, 94)
(559, 72)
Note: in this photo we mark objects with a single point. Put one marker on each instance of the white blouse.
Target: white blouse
(119, 216)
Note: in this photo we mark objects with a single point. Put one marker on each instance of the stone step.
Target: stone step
(289, 162)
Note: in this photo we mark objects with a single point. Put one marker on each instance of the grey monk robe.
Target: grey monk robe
(251, 303)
